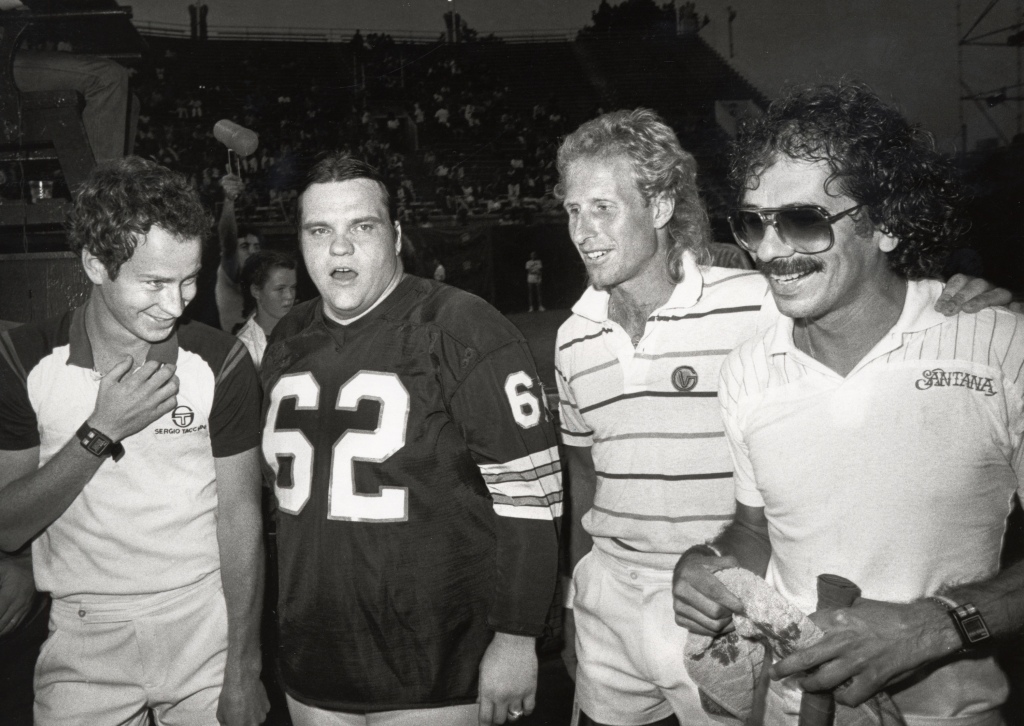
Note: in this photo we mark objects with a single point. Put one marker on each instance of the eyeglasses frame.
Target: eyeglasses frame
(768, 218)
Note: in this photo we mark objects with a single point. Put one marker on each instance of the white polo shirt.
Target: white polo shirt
(899, 476)
(147, 523)
(650, 413)
(254, 340)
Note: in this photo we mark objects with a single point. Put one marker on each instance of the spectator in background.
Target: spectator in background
(439, 271)
(203, 12)
(269, 283)
(533, 280)
(236, 245)
(103, 84)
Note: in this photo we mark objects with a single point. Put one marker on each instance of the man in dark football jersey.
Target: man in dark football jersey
(417, 479)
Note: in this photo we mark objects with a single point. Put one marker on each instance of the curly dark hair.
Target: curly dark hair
(256, 271)
(660, 165)
(121, 200)
(877, 158)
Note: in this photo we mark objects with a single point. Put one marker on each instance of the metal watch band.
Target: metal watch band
(967, 620)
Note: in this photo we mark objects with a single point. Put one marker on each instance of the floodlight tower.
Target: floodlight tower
(1007, 36)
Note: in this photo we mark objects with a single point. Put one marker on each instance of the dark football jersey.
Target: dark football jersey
(417, 477)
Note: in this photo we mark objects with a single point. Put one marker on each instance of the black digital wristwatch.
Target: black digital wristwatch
(98, 444)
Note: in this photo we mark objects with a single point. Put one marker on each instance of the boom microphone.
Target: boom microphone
(239, 139)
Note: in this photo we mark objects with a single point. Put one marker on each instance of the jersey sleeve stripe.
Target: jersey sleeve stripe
(546, 511)
(541, 499)
(541, 486)
(546, 500)
(538, 472)
(528, 487)
(523, 463)
(10, 354)
(238, 350)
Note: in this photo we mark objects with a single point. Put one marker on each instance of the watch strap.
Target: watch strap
(968, 621)
(97, 443)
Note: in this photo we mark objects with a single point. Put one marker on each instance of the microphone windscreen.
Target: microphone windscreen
(239, 139)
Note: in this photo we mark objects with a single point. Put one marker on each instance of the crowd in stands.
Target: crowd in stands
(445, 131)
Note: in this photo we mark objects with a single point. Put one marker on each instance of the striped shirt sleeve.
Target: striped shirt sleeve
(573, 429)
(500, 411)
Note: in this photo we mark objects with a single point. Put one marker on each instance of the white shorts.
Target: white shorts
(631, 670)
(110, 660)
(303, 715)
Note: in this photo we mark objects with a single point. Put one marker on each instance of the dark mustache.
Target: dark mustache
(790, 266)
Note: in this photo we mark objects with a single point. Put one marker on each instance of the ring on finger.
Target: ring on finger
(514, 714)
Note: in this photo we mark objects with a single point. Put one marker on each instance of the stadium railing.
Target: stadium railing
(342, 35)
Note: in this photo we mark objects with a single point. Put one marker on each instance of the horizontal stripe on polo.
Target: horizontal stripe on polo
(651, 414)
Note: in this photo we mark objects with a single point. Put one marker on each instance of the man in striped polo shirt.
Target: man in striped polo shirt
(872, 437)
(128, 460)
(638, 366)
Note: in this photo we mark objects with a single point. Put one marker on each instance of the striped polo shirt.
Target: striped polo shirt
(899, 476)
(650, 414)
(148, 522)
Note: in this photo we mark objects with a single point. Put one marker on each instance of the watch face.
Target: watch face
(975, 628)
(98, 445)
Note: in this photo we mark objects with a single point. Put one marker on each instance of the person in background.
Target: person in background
(102, 82)
(268, 282)
(236, 245)
(533, 280)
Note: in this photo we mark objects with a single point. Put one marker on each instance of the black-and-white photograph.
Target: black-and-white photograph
(511, 362)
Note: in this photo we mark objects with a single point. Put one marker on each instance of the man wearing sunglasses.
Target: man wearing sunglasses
(872, 437)
(638, 365)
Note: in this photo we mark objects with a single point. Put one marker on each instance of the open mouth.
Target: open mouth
(596, 255)
(344, 274)
(791, 277)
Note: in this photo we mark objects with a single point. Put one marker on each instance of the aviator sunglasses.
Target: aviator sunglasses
(806, 228)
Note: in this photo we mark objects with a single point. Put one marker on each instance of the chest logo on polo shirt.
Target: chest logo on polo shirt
(183, 416)
(684, 378)
(938, 378)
